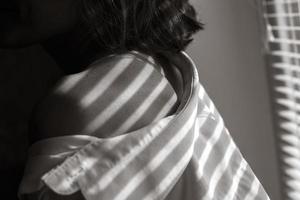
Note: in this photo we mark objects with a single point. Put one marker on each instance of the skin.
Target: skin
(53, 24)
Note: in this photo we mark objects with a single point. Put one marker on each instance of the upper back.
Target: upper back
(112, 96)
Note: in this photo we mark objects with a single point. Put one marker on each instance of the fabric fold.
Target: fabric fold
(187, 155)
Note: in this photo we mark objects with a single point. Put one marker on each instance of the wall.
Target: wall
(232, 69)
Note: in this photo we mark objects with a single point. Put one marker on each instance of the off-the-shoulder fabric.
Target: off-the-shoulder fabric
(188, 155)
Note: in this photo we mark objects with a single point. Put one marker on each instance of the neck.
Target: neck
(69, 54)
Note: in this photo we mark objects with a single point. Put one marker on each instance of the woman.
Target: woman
(129, 119)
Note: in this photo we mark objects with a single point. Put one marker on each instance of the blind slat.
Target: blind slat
(291, 150)
(291, 161)
(286, 54)
(289, 104)
(294, 184)
(291, 116)
(290, 126)
(290, 139)
(285, 78)
(287, 67)
(293, 93)
(293, 173)
(293, 195)
(284, 28)
(272, 15)
(284, 41)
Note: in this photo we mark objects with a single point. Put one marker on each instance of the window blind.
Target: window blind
(282, 28)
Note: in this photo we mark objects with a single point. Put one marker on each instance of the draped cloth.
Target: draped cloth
(188, 155)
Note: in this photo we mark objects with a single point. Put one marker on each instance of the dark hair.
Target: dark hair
(150, 26)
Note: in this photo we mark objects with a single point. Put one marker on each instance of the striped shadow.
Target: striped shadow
(118, 103)
(105, 82)
(143, 107)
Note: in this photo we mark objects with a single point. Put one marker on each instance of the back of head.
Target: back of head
(149, 26)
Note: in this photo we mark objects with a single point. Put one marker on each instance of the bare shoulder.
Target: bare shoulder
(78, 98)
